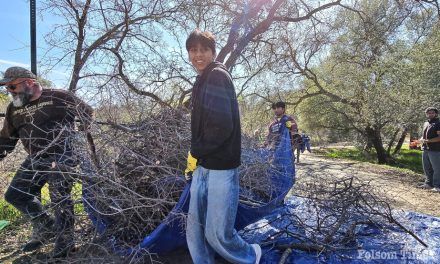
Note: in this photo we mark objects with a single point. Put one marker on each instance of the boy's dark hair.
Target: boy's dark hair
(205, 38)
(279, 104)
(431, 109)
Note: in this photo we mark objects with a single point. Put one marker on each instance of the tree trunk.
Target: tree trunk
(75, 78)
(368, 146)
(401, 141)
(374, 136)
(391, 143)
(366, 151)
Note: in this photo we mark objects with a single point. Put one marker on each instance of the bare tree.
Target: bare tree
(124, 40)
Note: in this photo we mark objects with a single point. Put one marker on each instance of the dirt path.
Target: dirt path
(399, 186)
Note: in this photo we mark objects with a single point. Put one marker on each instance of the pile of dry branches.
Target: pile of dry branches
(334, 212)
(139, 179)
(132, 177)
(256, 186)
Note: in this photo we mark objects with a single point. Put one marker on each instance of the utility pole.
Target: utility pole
(33, 36)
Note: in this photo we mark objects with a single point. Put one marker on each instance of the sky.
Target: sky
(15, 37)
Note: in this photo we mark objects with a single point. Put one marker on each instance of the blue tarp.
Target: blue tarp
(170, 234)
(388, 244)
(373, 245)
(282, 176)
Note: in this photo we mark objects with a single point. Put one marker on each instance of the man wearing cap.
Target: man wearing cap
(431, 150)
(43, 120)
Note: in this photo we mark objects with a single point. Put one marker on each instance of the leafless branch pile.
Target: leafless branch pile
(132, 177)
(141, 179)
(334, 212)
(256, 187)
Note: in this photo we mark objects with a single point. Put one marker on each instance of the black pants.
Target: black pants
(24, 192)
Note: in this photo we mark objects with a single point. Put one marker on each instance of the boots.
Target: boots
(42, 231)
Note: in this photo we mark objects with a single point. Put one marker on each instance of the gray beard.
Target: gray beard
(21, 99)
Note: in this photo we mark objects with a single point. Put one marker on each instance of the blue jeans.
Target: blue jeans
(431, 167)
(211, 217)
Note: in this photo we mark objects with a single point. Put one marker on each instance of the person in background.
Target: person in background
(274, 130)
(431, 150)
(214, 159)
(306, 143)
(43, 119)
(297, 144)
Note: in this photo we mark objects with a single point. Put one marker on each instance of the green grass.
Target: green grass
(407, 158)
(77, 195)
(8, 212)
(346, 153)
(410, 159)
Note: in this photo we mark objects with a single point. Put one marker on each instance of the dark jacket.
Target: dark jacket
(215, 120)
(40, 124)
(431, 128)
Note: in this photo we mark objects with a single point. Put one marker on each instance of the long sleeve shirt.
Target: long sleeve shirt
(43, 125)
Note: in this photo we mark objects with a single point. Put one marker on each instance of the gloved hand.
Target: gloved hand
(191, 165)
(288, 124)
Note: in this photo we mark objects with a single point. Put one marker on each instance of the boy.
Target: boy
(214, 159)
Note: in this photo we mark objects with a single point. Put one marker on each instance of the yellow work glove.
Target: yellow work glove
(191, 165)
(288, 124)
